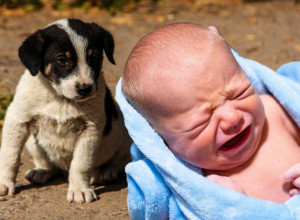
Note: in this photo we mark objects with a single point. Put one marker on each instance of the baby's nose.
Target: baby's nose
(231, 119)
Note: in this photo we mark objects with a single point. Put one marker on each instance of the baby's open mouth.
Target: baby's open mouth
(236, 141)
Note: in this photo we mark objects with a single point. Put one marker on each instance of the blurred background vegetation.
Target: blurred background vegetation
(110, 5)
(65, 4)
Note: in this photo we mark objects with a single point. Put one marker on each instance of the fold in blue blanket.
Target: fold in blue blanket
(161, 186)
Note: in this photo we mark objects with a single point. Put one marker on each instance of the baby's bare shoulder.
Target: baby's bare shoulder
(276, 113)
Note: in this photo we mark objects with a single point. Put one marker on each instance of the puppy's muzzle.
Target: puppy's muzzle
(84, 90)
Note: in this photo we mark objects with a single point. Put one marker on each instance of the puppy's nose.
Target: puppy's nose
(84, 89)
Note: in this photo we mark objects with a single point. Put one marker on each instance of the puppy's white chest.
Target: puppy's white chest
(58, 139)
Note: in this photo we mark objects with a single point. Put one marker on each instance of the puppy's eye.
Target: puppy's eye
(95, 56)
(62, 60)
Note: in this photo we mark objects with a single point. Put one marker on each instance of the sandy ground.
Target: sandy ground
(266, 31)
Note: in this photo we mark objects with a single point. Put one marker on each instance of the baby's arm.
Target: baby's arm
(293, 174)
(226, 182)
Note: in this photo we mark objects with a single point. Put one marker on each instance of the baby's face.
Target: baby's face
(215, 119)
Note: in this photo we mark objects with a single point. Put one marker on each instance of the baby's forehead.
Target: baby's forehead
(173, 45)
(176, 36)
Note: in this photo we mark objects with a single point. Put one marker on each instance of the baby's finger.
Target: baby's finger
(294, 192)
(296, 182)
(291, 173)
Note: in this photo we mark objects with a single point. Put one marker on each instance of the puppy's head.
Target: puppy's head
(69, 53)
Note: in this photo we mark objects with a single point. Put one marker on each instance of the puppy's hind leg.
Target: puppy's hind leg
(44, 169)
(105, 174)
(111, 171)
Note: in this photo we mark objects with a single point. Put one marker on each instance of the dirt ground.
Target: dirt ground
(266, 31)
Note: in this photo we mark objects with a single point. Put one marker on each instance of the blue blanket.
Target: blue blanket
(161, 186)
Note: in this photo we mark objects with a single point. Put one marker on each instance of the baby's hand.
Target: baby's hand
(293, 174)
(226, 182)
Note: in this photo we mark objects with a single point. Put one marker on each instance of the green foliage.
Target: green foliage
(106, 4)
(62, 5)
(58, 5)
(116, 3)
(36, 4)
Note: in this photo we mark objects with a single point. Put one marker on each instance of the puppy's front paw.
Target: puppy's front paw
(81, 196)
(38, 176)
(7, 188)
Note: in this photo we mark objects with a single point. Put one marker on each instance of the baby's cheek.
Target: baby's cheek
(258, 108)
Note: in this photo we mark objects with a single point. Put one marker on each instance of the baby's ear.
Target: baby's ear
(214, 29)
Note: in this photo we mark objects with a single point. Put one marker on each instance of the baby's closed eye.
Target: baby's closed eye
(243, 93)
(197, 128)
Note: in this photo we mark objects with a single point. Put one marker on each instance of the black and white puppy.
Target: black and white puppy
(63, 111)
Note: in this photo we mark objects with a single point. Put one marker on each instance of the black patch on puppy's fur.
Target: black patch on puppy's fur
(110, 112)
(58, 44)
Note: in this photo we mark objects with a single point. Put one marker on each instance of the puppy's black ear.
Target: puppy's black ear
(108, 42)
(31, 51)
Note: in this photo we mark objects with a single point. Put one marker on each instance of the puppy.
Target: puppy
(64, 113)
